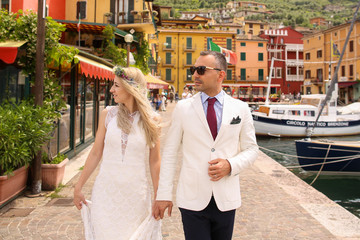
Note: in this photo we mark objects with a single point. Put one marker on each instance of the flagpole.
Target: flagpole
(330, 59)
(79, 28)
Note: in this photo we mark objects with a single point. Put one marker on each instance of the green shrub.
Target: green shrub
(56, 160)
(23, 130)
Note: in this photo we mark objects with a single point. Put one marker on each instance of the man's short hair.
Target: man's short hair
(219, 58)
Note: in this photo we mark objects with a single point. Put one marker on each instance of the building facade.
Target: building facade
(285, 45)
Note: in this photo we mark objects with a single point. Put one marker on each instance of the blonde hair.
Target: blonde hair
(135, 84)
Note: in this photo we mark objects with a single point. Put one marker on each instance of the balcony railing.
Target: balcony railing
(168, 47)
(187, 48)
(294, 78)
(172, 63)
(294, 62)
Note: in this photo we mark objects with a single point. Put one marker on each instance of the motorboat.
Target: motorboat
(296, 120)
(329, 156)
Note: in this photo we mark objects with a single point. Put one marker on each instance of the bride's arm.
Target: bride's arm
(154, 162)
(92, 160)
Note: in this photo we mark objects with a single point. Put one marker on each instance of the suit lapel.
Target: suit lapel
(199, 109)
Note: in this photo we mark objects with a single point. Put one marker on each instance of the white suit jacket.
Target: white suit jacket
(234, 142)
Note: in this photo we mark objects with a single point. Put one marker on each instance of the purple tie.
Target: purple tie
(211, 117)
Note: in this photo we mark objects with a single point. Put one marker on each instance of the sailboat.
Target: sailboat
(327, 155)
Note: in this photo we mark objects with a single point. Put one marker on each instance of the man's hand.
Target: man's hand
(159, 208)
(218, 169)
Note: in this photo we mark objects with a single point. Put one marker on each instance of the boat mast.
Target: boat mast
(335, 76)
(269, 81)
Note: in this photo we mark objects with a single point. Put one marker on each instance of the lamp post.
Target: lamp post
(128, 39)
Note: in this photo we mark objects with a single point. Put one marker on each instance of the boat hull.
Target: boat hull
(339, 159)
(297, 128)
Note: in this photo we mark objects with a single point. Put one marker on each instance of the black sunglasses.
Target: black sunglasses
(201, 69)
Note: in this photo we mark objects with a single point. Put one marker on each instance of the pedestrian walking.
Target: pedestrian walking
(218, 141)
(120, 206)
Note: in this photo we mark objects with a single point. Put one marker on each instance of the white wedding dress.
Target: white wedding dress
(121, 199)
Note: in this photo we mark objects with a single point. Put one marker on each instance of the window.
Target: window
(13, 84)
(260, 57)
(188, 75)
(81, 9)
(351, 46)
(301, 71)
(243, 73)
(168, 42)
(351, 70)
(319, 54)
(208, 42)
(310, 113)
(261, 26)
(294, 112)
(168, 74)
(168, 58)
(261, 74)
(308, 74)
(319, 74)
(243, 56)
(229, 74)
(272, 40)
(281, 40)
(260, 44)
(243, 44)
(5, 4)
(278, 55)
(229, 43)
(343, 71)
(276, 111)
(307, 56)
(278, 72)
(251, 25)
(188, 58)
(188, 43)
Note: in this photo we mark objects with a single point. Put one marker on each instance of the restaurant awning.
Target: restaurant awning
(155, 83)
(247, 85)
(90, 27)
(95, 69)
(9, 50)
(346, 84)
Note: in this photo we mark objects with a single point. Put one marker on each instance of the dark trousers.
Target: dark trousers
(208, 224)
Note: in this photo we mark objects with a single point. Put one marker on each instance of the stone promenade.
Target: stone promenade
(276, 205)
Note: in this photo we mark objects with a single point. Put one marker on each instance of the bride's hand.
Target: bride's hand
(78, 198)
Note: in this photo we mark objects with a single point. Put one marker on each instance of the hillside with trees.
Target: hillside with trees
(288, 12)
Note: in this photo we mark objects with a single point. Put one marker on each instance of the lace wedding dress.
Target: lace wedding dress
(121, 199)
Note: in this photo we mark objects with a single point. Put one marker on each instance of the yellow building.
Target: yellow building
(180, 46)
(317, 57)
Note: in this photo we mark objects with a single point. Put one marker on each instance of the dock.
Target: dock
(276, 204)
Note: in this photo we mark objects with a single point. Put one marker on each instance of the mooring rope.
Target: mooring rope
(322, 166)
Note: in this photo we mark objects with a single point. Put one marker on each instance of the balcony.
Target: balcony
(170, 80)
(172, 63)
(295, 47)
(187, 65)
(317, 81)
(191, 48)
(168, 47)
(187, 79)
(294, 78)
(294, 63)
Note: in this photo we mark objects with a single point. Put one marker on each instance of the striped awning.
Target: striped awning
(155, 83)
(95, 69)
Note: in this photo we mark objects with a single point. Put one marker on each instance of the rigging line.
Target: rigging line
(317, 164)
(322, 166)
(296, 156)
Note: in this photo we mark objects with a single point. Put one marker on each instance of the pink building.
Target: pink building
(286, 46)
(54, 8)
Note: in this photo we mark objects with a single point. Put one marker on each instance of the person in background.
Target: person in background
(163, 102)
(186, 94)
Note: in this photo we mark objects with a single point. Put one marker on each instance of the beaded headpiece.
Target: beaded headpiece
(119, 71)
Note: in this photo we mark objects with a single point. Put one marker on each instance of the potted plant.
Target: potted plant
(52, 170)
(23, 130)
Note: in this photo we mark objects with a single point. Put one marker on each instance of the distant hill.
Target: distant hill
(289, 12)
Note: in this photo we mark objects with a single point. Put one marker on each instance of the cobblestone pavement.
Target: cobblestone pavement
(271, 209)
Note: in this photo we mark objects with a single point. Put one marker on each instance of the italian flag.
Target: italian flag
(229, 55)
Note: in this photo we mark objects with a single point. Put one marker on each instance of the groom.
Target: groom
(218, 141)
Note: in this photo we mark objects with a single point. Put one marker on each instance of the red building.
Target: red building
(286, 46)
(54, 8)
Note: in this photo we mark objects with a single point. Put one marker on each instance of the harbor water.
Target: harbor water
(344, 190)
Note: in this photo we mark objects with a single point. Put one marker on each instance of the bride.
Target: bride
(128, 133)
